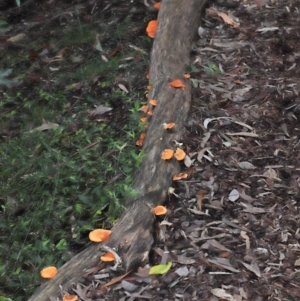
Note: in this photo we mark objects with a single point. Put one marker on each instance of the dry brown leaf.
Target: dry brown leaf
(255, 210)
(246, 134)
(247, 239)
(245, 197)
(44, 127)
(122, 87)
(200, 199)
(99, 110)
(188, 161)
(223, 263)
(115, 280)
(221, 293)
(253, 267)
(228, 20)
(19, 37)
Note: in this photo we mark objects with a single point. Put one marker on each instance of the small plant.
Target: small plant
(64, 172)
(4, 26)
(211, 69)
(56, 187)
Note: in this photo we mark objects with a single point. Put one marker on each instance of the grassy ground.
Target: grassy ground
(64, 169)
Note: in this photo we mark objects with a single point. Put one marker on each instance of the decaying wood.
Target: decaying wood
(178, 23)
(133, 235)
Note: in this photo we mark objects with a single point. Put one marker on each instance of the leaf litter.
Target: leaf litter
(240, 240)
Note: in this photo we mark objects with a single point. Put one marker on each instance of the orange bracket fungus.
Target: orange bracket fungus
(49, 272)
(167, 154)
(157, 5)
(153, 102)
(143, 119)
(99, 235)
(168, 126)
(108, 257)
(68, 297)
(160, 210)
(141, 140)
(151, 28)
(177, 83)
(179, 154)
(150, 113)
(144, 108)
(180, 176)
(187, 75)
(111, 256)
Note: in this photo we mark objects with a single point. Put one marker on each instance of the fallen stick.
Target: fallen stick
(133, 235)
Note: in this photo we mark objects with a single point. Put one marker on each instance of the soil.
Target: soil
(232, 229)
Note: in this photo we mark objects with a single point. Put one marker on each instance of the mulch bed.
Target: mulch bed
(232, 229)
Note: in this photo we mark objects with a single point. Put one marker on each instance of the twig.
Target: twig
(117, 257)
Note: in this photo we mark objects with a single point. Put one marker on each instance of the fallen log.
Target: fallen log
(132, 237)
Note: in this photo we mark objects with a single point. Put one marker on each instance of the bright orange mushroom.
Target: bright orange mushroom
(49, 272)
(144, 109)
(153, 102)
(187, 75)
(143, 119)
(160, 210)
(141, 140)
(68, 297)
(167, 154)
(157, 5)
(108, 257)
(180, 176)
(179, 154)
(177, 83)
(150, 113)
(151, 28)
(149, 87)
(168, 125)
(99, 235)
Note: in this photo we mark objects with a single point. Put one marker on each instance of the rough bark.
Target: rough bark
(133, 235)
(178, 23)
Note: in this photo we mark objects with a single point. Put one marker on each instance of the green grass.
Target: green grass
(55, 187)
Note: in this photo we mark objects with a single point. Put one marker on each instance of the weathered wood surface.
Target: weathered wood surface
(133, 235)
(170, 59)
